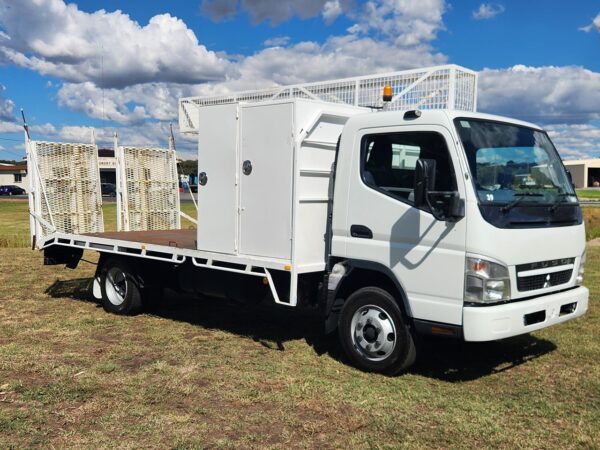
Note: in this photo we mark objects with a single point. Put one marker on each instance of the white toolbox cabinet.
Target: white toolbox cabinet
(267, 169)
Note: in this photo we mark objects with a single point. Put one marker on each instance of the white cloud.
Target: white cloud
(488, 11)
(107, 48)
(10, 127)
(277, 41)
(339, 56)
(595, 25)
(547, 95)
(404, 22)
(576, 141)
(131, 105)
(331, 11)
(274, 11)
(6, 107)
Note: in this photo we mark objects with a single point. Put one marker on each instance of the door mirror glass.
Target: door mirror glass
(424, 180)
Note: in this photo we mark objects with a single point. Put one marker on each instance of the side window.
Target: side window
(388, 162)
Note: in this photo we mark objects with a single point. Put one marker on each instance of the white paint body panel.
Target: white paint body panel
(266, 193)
(279, 210)
(218, 158)
(489, 323)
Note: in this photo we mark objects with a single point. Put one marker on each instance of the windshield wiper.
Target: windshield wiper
(561, 195)
(518, 197)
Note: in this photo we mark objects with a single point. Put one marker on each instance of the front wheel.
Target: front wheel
(120, 288)
(374, 333)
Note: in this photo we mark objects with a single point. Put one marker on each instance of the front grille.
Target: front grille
(544, 280)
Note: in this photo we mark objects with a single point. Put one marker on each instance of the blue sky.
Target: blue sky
(120, 66)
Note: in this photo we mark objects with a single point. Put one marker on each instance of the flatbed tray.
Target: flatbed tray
(169, 238)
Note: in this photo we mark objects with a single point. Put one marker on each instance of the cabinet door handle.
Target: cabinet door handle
(360, 231)
(247, 167)
(203, 178)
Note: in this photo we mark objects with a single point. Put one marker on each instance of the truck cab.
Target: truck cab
(468, 221)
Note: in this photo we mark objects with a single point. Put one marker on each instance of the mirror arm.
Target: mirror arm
(434, 213)
(454, 197)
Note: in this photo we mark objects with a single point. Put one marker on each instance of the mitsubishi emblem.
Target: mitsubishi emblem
(547, 283)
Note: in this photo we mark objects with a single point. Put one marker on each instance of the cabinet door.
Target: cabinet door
(266, 177)
(217, 159)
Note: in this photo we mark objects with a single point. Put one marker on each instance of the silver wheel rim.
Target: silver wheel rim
(116, 286)
(373, 332)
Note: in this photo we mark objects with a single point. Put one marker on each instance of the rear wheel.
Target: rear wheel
(374, 333)
(120, 288)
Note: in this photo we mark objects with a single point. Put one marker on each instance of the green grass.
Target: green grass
(589, 193)
(204, 373)
(592, 222)
(14, 221)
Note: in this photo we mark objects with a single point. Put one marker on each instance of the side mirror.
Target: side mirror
(456, 210)
(446, 205)
(424, 180)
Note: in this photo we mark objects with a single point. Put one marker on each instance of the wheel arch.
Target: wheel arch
(359, 274)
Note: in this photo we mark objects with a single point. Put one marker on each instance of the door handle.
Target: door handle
(360, 231)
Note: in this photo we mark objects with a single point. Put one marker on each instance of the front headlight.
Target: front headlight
(486, 281)
(579, 279)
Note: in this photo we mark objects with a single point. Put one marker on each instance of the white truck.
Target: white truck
(413, 215)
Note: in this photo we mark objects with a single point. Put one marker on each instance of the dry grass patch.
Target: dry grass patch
(205, 373)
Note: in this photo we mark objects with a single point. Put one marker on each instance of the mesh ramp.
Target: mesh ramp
(147, 189)
(440, 87)
(65, 188)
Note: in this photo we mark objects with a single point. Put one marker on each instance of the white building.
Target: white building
(15, 175)
(585, 172)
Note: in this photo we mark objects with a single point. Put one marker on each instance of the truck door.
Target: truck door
(217, 185)
(426, 256)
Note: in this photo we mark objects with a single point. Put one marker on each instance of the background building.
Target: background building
(585, 172)
(107, 164)
(15, 175)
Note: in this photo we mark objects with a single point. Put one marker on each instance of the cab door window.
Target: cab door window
(388, 162)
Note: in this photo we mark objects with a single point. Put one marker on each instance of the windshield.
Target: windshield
(513, 165)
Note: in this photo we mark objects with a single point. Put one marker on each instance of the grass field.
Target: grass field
(203, 373)
(592, 222)
(589, 193)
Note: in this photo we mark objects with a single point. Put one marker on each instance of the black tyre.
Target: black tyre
(120, 287)
(374, 333)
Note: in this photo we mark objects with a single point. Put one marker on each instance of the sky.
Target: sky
(118, 66)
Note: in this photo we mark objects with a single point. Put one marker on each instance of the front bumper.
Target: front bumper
(488, 323)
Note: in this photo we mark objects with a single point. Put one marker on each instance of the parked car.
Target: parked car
(12, 190)
(108, 190)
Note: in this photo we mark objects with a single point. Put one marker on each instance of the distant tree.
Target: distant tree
(187, 167)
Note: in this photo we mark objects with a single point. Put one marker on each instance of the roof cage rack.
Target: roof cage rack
(440, 87)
